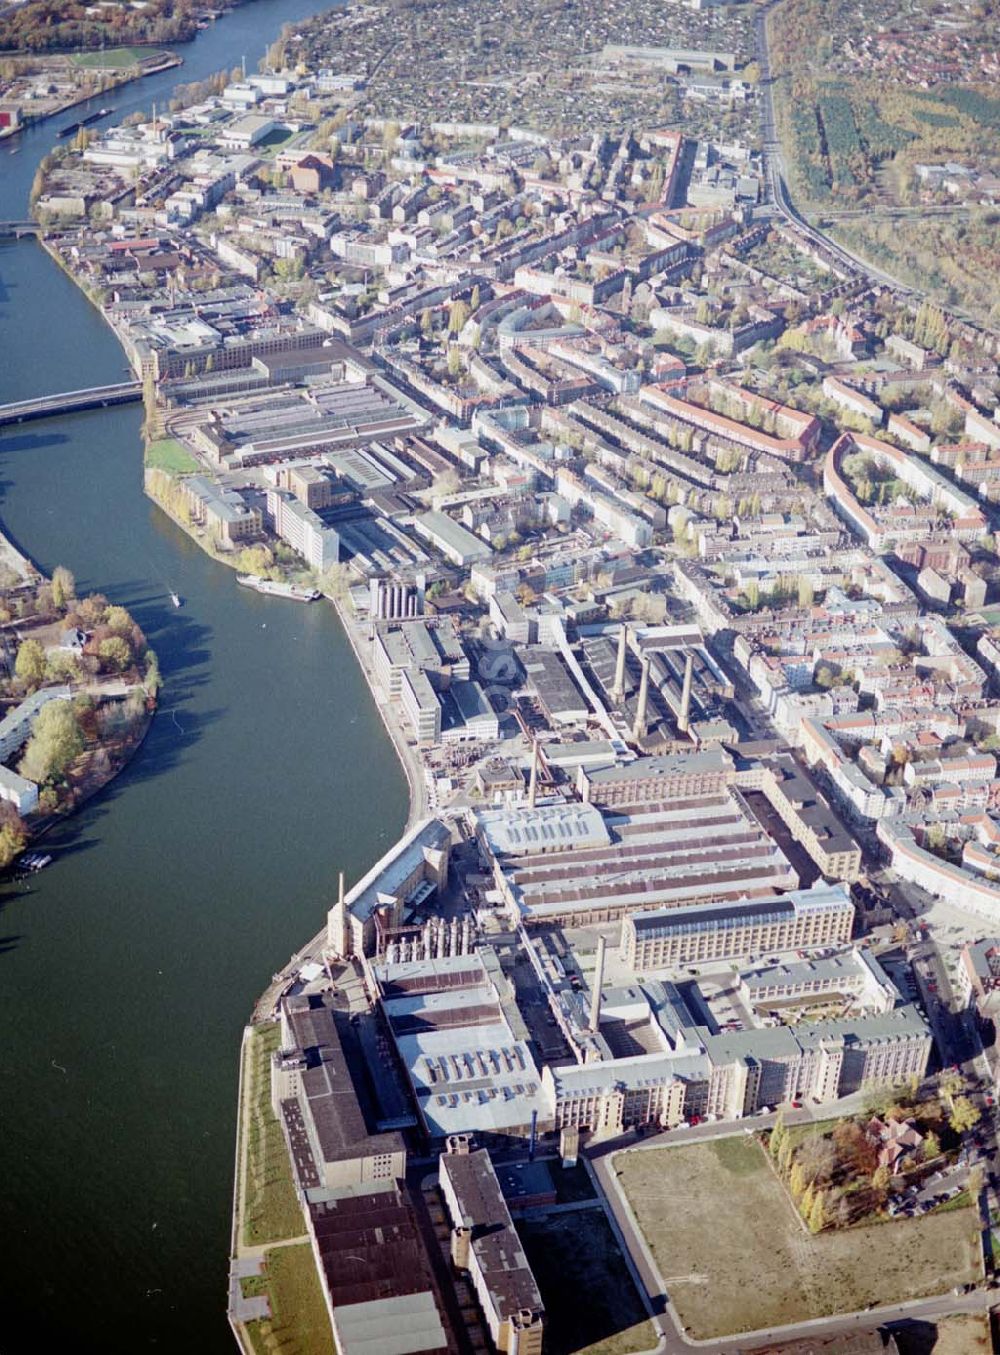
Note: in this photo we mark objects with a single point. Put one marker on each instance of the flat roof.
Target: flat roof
(557, 692)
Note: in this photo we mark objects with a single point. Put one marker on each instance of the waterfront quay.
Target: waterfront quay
(644, 513)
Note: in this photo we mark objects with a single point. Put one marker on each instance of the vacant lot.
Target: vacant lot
(591, 1305)
(735, 1257)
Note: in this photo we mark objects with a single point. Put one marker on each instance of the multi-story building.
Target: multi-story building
(221, 511)
(410, 870)
(303, 529)
(569, 864)
(811, 820)
(979, 975)
(421, 706)
(656, 779)
(695, 1069)
(16, 725)
(308, 1070)
(667, 937)
(485, 1244)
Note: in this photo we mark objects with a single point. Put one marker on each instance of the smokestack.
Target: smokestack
(466, 934)
(595, 996)
(345, 930)
(618, 691)
(639, 728)
(684, 719)
(533, 783)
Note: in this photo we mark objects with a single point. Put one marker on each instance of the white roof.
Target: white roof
(544, 828)
(396, 1326)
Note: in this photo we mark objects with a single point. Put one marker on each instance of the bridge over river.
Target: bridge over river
(15, 229)
(71, 402)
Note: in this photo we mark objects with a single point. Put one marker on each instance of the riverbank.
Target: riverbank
(115, 80)
(58, 668)
(68, 43)
(408, 756)
(173, 894)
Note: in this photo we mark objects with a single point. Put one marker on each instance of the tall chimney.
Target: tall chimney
(533, 783)
(345, 931)
(639, 728)
(618, 691)
(684, 719)
(595, 995)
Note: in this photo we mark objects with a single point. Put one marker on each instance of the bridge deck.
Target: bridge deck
(70, 402)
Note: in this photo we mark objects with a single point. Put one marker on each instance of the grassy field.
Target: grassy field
(271, 1209)
(299, 1323)
(736, 1258)
(115, 58)
(168, 454)
(591, 1305)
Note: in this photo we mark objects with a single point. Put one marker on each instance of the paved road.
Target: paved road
(775, 175)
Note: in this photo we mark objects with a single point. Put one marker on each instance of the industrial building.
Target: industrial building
(464, 1045)
(668, 937)
(656, 779)
(407, 875)
(575, 863)
(375, 1273)
(303, 529)
(485, 1243)
(314, 1099)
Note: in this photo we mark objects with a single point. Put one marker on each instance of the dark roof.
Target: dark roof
(495, 1242)
(334, 1092)
(812, 806)
(370, 1247)
(557, 692)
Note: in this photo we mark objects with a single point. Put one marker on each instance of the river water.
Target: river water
(129, 967)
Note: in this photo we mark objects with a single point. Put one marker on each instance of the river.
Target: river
(129, 967)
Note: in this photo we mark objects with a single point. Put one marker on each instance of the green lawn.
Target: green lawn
(272, 141)
(299, 1323)
(591, 1305)
(736, 1258)
(168, 454)
(115, 58)
(271, 1208)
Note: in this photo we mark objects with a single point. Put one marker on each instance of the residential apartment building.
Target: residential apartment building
(16, 725)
